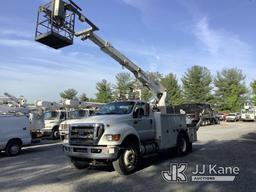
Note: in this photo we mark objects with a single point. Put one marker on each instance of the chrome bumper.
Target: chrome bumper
(92, 152)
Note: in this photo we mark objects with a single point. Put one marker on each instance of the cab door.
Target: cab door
(142, 122)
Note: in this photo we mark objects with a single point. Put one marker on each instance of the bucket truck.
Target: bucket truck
(76, 110)
(120, 132)
(53, 116)
(248, 113)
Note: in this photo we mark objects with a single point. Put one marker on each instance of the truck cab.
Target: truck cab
(52, 120)
(73, 115)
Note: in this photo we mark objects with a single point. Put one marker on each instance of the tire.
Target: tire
(127, 162)
(79, 164)
(62, 137)
(183, 144)
(13, 148)
(55, 134)
(190, 147)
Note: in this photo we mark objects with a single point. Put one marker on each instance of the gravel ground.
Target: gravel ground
(45, 168)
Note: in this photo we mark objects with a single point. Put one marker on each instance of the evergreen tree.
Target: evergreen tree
(68, 94)
(104, 93)
(83, 97)
(146, 93)
(230, 90)
(197, 85)
(253, 86)
(174, 96)
(124, 82)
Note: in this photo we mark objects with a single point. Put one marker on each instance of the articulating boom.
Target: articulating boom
(57, 21)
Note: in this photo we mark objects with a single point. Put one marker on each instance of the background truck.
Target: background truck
(248, 113)
(14, 133)
(77, 110)
(194, 111)
(120, 132)
(53, 116)
(12, 105)
(56, 113)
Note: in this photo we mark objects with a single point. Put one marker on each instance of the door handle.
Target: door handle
(136, 121)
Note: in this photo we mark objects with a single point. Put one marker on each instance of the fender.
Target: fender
(123, 129)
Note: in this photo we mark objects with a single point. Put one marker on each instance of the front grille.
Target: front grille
(85, 135)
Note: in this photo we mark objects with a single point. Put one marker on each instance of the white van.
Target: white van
(14, 133)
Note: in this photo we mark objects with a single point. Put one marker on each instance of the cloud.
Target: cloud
(211, 39)
(223, 47)
(138, 4)
(17, 33)
(36, 71)
(21, 43)
(214, 48)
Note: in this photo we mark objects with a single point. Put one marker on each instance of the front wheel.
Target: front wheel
(13, 148)
(127, 161)
(55, 134)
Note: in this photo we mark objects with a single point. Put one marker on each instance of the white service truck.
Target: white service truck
(56, 113)
(120, 132)
(53, 116)
(14, 133)
(73, 116)
(77, 110)
(248, 113)
(12, 105)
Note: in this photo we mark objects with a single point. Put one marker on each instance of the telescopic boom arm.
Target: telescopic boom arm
(60, 31)
(106, 47)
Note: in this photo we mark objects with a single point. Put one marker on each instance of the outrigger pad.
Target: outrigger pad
(54, 40)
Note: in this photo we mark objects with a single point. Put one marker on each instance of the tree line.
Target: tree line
(226, 91)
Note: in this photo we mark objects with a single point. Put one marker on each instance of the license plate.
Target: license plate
(80, 150)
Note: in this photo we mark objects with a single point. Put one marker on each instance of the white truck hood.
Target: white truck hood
(104, 119)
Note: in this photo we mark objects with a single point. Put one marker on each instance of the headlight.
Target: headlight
(65, 127)
(113, 137)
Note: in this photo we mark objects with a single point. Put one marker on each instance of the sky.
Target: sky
(168, 36)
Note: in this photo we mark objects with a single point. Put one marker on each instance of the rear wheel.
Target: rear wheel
(183, 144)
(13, 148)
(128, 160)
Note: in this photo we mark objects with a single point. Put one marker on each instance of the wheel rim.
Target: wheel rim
(56, 134)
(129, 159)
(14, 149)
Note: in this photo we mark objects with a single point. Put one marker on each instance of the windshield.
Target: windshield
(116, 108)
(77, 114)
(50, 115)
(247, 111)
(231, 114)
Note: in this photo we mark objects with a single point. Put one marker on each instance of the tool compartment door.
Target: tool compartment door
(171, 124)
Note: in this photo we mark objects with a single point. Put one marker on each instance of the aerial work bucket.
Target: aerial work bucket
(55, 25)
